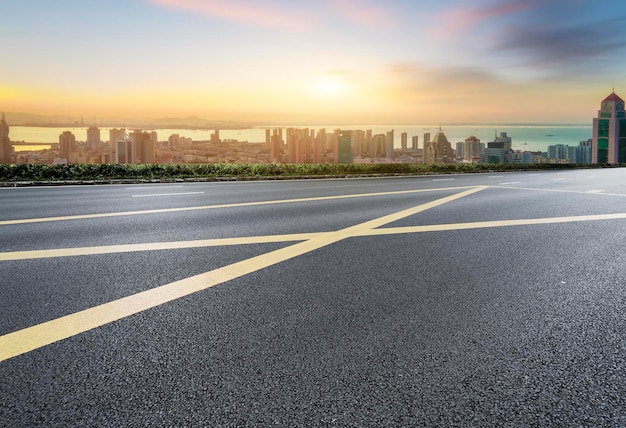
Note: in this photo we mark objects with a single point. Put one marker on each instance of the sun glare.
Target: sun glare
(330, 87)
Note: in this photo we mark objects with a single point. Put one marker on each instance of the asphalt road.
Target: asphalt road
(460, 300)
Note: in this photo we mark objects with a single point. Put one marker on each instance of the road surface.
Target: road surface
(458, 300)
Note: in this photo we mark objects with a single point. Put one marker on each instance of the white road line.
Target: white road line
(510, 182)
(234, 205)
(595, 191)
(443, 179)
(149, 195)
(148, 187)
(538, 189)
(495, 176)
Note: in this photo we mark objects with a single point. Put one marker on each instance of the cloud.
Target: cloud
(460, 84)
(537, 38)
(361, 13)
(284, 14)
(246, 12)
(553, 44)
(463, 19)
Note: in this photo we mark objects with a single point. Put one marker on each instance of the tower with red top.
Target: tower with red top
(609, 132)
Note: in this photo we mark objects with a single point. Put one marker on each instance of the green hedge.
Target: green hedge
(89, 172)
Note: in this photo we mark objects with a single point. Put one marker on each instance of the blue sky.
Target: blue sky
(334, 61)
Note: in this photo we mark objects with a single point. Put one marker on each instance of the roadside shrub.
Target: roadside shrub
(106, 172)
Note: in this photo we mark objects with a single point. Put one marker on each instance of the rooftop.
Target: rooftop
(613, 97)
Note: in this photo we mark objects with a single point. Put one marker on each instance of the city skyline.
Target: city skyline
(350, 61)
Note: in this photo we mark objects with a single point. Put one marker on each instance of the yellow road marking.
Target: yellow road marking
(153, 246)
(365, 229)
(31, 338)
(211, 207)
(488, 224)
(37, 336)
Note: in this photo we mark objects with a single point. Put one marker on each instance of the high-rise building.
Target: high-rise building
(343, 150)
(276, 145)
(404, 140)
(359, 143)
(559, 152)
(583, 152)
(67, 144)
(124, 149)
(414, 142)
(93, 138)
(472, 149)
(609, 131)
(439, 149)
(6, 148)
(501, 142)
(389, 145)
(378, 144)
(215, 137)
(144, 146)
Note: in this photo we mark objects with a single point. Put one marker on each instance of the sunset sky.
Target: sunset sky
(324, 61)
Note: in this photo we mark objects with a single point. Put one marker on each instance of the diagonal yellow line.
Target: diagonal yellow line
(221, 206)
(31, 338)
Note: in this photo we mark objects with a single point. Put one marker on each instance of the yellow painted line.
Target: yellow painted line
(372, 224)
(153, 246)
(489, 224)
(211, 207)
(365, 229)
(31, 338)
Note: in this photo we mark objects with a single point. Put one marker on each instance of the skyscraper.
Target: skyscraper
(472, 149)
(344, 147)
(439, 149)
(67, 144)
(124, 149)
(609, 132)
(93, 138)
(5, 144)
(144, 146)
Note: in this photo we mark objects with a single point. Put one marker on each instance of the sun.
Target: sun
(330, 86)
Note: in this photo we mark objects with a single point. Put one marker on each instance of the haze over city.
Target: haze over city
(342, 61)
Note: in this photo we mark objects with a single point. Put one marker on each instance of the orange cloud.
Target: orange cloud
(241, 11)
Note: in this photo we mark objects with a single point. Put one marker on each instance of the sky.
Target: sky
(323, 61)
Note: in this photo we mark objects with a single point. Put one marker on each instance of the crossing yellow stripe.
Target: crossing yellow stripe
(40, 335)
(488, 224)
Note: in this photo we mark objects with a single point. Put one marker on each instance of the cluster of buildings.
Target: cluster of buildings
(304, 145)
(140, 147)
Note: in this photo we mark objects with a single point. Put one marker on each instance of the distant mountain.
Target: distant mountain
(185, 121)
(30, 119)
(198, 122)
